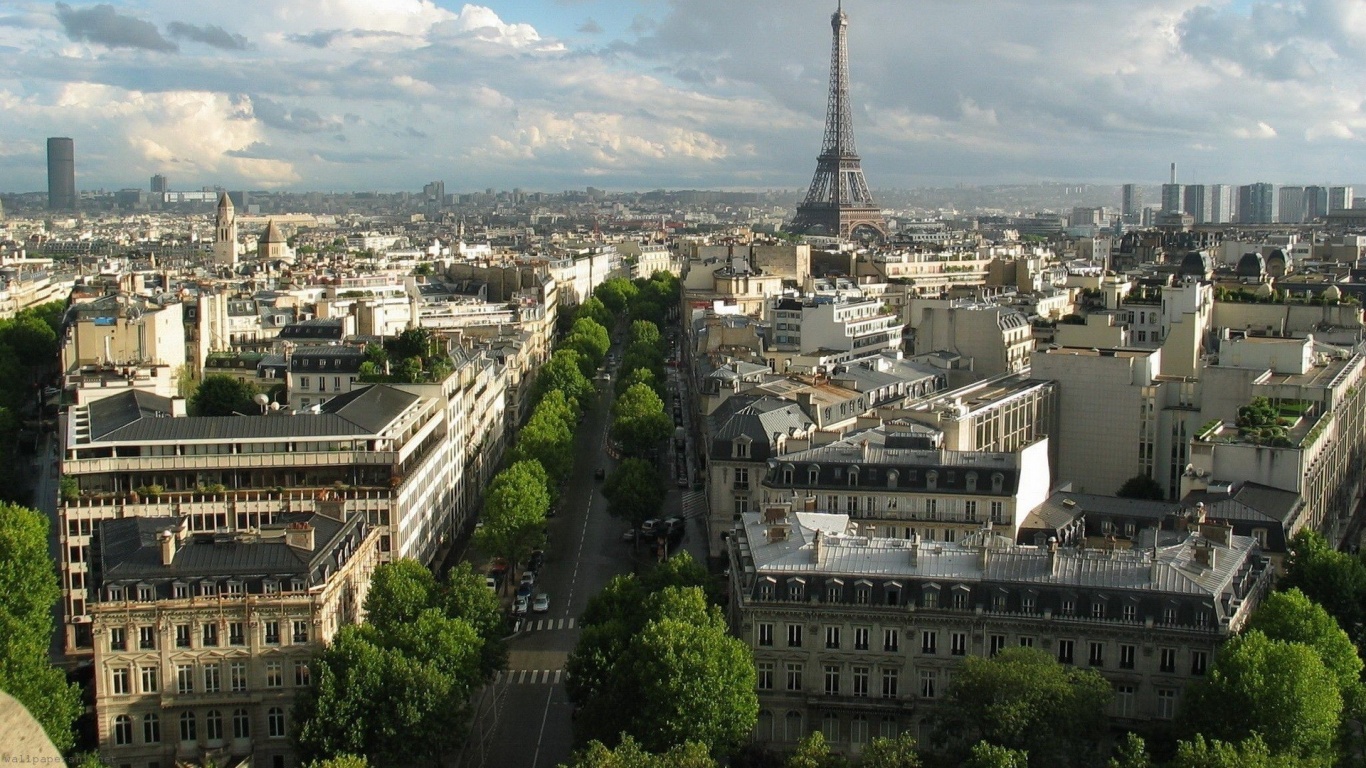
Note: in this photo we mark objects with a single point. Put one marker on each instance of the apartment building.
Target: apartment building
(201, 640)
(123, 329)
(838, 329)
(897, 480)
(383, 451)
(996, 340)
(859, 636)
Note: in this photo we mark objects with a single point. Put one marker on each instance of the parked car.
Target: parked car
(491, 582)
(601, 474)
(520, 607)
(498, 567)
(647, 528)
(529, 578)
(524, 591)
(541, 604)
(629, 536)
(536, 560)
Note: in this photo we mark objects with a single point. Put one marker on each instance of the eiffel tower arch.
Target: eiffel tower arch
(838, 202)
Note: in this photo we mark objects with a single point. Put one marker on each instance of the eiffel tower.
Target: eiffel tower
(838, 202)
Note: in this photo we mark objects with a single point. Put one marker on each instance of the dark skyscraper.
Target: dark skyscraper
(61, 174)
(159, 186)
(838, 201)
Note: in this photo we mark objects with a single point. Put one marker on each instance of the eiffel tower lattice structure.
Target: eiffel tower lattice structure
(838, 202)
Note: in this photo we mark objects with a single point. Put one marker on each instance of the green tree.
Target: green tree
(399, 592)
(1334, 580)
(466, 597)
(1212, 753)
(514, 512)
(813, 752)
(548, 440)
(28, 590)
(1292, 617)
(635, 491)
(882, 752)
(595, 310)
(1130, 752)
(1025, 700)
(591, 341)
(616, 294)
(414, 342)
(1278, 690)
(639, 423)
(646, 332)
(340, 761)
(219, 395)
(1141, 486)
(987, 755)
(628, 754)
(561, 372)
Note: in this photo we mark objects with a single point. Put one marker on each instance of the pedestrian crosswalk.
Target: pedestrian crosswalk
(545, 625)
(694, 504)
(529, 677)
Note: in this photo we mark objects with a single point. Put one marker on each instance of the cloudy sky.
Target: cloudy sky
(638, 94)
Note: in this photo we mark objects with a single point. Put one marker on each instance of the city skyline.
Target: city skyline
(308, 94)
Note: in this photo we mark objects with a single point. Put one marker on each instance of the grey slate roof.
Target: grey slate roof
(112, 413)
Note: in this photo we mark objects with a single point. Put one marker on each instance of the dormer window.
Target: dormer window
(891, 478)
(787, 474)
(998, 482)
(853, 475)
(740, 449)
(813, 474)
(931, 480)
(322, 363)
(971, 479)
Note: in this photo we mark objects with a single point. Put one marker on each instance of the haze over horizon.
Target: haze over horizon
(641, 94)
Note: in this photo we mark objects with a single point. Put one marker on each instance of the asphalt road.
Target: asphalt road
(524, 718)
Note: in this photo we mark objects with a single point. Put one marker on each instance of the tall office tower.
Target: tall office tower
(1315, 203)
(225, 233)
(1220, 203)
(61, 174)
(1257, 203)
(1131, 204)
(159, 185)
(1339, 198)
(1196, 202)
(434, 192)
(1171, 198)
(838, 202)
(1292, 205)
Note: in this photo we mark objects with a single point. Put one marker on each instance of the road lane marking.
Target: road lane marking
(558, 672)
(536, 758)
(522, 678)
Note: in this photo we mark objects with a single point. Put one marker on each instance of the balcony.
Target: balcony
(226, 461)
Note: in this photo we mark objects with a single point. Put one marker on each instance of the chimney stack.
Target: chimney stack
(863, 447)
(1053, 555)
(167, 541)
(1173, 173)
(914, 546)
(816, 548)
(299, 536)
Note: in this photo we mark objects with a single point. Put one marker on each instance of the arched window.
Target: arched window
(971, 478)
(241, 724)
(931, 480)
(188, 730)
(813, 474)
(123, 730)
(151, 729)
(765, 730)
(892, 476)
(213, 725)
(997, 481)
(792, 727)
(853, 475)
(275, 720)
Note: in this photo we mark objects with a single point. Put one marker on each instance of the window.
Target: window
(1169, 614)
(970, 510)
(212, 683)
(862, 595)
(1026, 641)
(764, 671)
(998, 601)
(834, 592)
(210, 635)
(182, 635)
(236, 634)
(765, 634)
(1130, 612)
(858, 730)
(213, 725)
(891, 639)
(272, 632)
(184, 678)
(1068, 607)
(796, 590)
(119, 681)
(241, 724)
(1166, 703)
(960, 599)
(149, 680)
(792, 726)
(998, 644)
(275, 674)
(187, 727)
(275, 720)
(765, 590)
(929, 641)
(303, 382)
(741, 449)
(180, 591)
(123, 730)
(1097, 609)
(1065, 648)
(794, 635)
(1027, 603)
(301, 674)
(832, 637)
(147, 638)
(1126, 656)
(742, 477)
(794, 677)
(1199, 662)
(998, 512)
(832, 680)
(890, 678)
(861, 638)
(958, 643)
(861, 681)
(118, 640)
(237, 676)
(151, 729)
(830, 727)
(929, 678)
(1168, 660)
(931, 598)
(1124, 701)
(1096, 654)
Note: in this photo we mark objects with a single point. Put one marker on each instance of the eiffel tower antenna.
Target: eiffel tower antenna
(838, 201)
